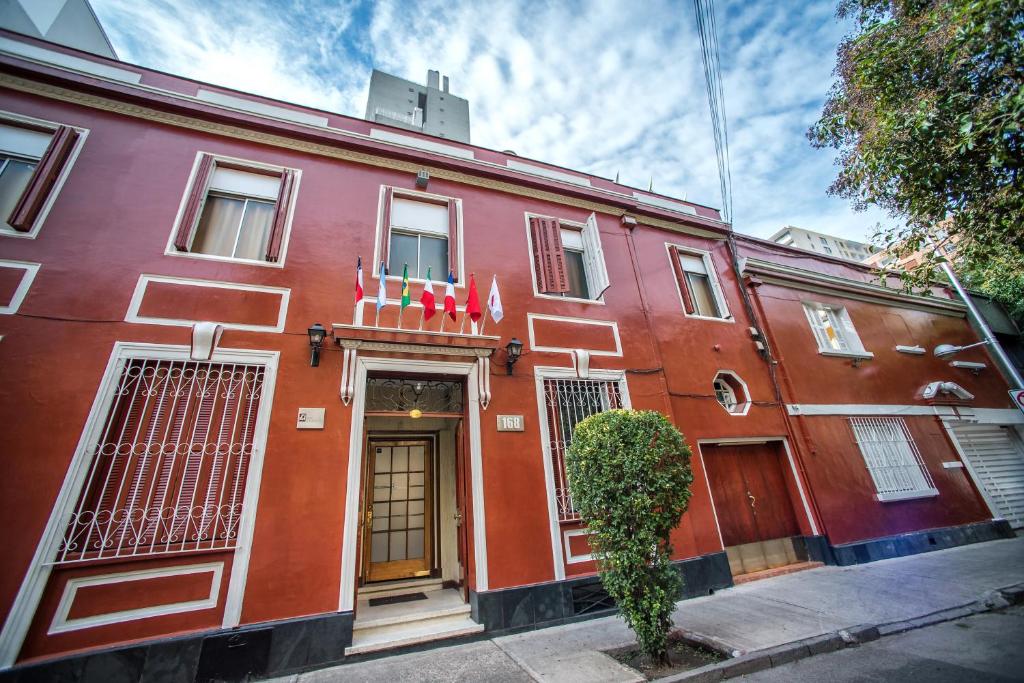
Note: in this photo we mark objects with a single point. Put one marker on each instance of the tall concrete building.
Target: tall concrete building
(67, 22)
(820, 242)
(429, 109)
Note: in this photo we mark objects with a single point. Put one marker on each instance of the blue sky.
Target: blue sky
(602, 87)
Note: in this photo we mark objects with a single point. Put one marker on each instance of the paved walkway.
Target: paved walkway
(746, 618)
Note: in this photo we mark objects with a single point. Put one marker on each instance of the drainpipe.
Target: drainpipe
(1013, 377)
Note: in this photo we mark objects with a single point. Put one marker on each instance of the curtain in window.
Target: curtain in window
(254, 234)
(218, 226)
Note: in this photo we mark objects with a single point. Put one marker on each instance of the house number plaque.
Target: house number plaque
(510, 423)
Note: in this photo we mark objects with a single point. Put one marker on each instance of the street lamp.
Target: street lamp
(943, 350)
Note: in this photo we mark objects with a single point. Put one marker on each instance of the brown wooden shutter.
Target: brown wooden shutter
(194, 204)
(26, 211)
(548, 256)
(284, 198)
(684, 288)
(454, 230)
(385, 227)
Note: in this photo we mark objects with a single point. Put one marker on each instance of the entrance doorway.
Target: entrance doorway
(398, 508)
(752, 502)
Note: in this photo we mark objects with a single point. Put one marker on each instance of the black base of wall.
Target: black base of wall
(512, 610)
(817, 548)
(264, 650)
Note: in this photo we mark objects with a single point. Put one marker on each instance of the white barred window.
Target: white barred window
(568, 402)
(168, 472)
(892, 458)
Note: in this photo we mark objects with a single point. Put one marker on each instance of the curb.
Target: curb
(759, 660)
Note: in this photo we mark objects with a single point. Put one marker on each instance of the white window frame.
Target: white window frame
(672, 250)
(887, 440)
(14, 119)
(741, 397)
(594, 263)
(541, 373)
(416, 195)
(841, 322)
(170, 249)
(30, 593)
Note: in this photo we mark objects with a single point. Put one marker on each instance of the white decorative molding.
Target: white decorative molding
(61, 623)
(348, 372)
(611, 324)
(420, 143)
(254, 107)
(132, 316)
(350, 537)
(484, 373)
(534, 169)
(30, 592)
(570, 558)
(540, 373)
(968, 365)
(822, 283)
(664, 203)
(31, 269)
(913, 350)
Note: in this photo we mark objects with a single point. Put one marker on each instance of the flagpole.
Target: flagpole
(444, 314)
(487, 309)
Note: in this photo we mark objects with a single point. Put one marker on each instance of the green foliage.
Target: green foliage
(928, 117)
(629, 473)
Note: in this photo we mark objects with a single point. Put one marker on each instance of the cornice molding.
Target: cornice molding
(776, 273)
(115, 106)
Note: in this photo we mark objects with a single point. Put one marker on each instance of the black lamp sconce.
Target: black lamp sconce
(513, 350)
(316, 340)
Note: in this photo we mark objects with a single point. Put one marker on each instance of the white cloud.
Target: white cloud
(603, 87)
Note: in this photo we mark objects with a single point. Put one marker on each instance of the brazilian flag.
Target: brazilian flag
(406, 298)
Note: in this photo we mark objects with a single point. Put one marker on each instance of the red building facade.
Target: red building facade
(174, 495)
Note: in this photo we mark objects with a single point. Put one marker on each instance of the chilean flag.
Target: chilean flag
(473, 301)
(427, 298)
(359, 279)
(449, 296)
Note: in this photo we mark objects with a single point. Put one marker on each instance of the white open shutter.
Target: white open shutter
(593, 259)
(849, 331)
(820, 335)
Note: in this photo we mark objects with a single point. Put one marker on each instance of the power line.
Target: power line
(708, 31)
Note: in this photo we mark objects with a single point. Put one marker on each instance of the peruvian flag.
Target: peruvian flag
(449, 296)
(427, 298)
(473, 301)
(359, 279)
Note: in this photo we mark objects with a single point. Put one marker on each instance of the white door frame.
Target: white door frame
(32, 586)
(353, 482)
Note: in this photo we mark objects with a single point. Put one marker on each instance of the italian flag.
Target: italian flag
(449, 296)
(427, 299)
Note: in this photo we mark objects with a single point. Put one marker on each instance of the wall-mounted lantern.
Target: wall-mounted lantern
(316, 339)
(513, 350)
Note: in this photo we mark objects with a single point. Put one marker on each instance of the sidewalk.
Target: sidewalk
(747, 618)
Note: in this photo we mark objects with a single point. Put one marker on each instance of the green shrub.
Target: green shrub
(629, 473)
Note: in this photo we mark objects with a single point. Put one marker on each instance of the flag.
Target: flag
(473, 301)
(382, 293)
(494, 302)
(449, 296)
(427, 298)
(359, 279)
(405, 287)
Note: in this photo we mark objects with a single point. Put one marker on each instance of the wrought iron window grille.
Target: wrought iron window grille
(392, 395)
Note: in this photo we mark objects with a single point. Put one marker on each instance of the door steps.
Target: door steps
(775, 571)
(388, 589)
(442, 615)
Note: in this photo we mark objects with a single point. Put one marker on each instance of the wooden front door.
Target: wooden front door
(750, 494)
(398, 509)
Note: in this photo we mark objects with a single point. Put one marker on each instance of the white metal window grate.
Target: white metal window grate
(892, 457)
(168, 472)
(568, 402)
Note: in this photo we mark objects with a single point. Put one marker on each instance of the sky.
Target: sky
(603, 87)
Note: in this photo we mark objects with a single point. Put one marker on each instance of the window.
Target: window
(235, 211)
(725, 395)
(168, 472)
(833, 330)
(567, 258)
(698, 286)
(32, 159)
(731, 392)
(892, 458)
(420, 231)
(568, 402)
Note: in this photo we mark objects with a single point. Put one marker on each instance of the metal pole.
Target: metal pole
(1007, 367)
